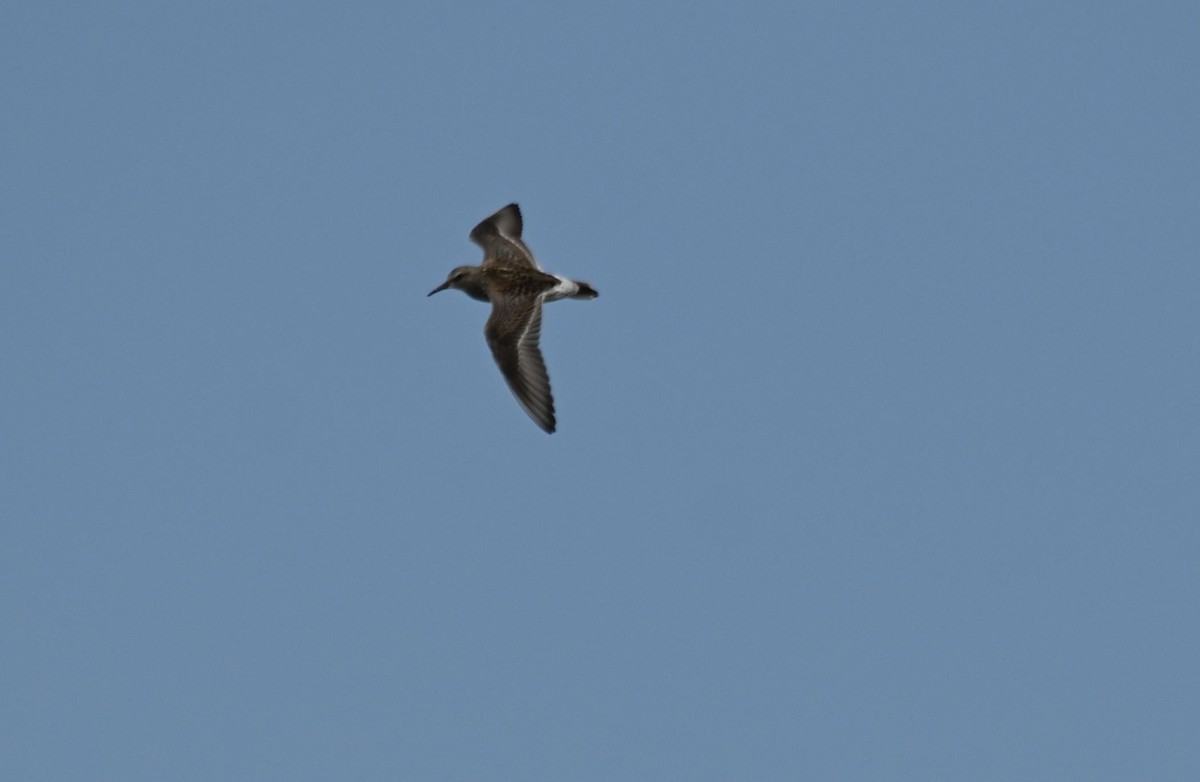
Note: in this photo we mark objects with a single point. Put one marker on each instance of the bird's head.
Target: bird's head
(465, 279)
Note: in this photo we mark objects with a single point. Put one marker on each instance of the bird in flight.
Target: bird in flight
(515, 284)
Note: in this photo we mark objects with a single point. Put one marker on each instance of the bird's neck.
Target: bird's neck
(473, 286)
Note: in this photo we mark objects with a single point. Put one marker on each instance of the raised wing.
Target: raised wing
(500, 238)
(512, 332)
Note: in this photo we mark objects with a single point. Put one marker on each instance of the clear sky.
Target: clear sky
(877, 456)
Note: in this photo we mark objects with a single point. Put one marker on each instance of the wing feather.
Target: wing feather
(513, 332)
(500, 237)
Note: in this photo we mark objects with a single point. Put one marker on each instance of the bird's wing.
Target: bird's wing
(512, 332)
(500, 238)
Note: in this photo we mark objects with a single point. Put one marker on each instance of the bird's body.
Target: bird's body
(516, 286)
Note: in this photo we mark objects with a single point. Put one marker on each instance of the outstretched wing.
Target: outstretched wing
(500, 238)
(512, 332)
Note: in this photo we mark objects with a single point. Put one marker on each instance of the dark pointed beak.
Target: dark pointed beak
(441, 287)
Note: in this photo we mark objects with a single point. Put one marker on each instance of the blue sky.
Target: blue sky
(877, 455)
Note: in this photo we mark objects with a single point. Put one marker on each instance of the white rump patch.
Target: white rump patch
(564, 289)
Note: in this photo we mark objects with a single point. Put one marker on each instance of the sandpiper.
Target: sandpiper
(517, 287)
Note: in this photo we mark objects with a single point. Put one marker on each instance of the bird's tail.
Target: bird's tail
(585, 291)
